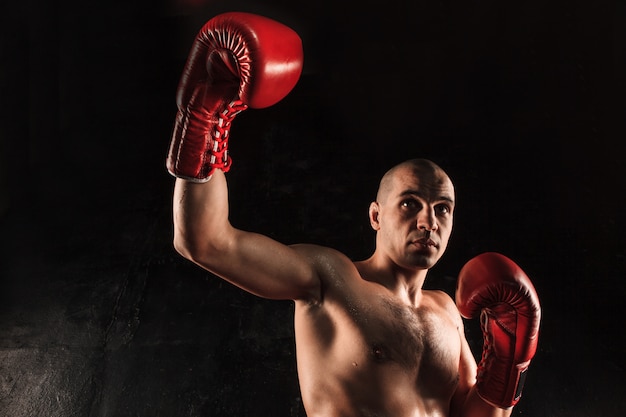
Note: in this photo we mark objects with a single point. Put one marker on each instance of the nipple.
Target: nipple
(379, 353)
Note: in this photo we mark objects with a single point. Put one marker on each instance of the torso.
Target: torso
(362, 352)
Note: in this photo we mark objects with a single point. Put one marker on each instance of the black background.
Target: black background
(522, 103)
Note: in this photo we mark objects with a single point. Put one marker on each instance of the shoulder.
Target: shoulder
(334, 269)
(440, 297)
(321, 256)
(445, 302)
(328, 263)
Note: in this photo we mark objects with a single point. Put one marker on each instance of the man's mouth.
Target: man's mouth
(426, 242)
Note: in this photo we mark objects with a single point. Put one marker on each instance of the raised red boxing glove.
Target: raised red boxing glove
(494, 287)
(238, 60)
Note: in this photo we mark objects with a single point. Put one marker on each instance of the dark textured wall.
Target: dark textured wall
(522, 103)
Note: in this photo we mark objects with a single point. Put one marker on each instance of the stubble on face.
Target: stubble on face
(410, 246)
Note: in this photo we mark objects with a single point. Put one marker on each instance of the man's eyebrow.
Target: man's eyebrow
(416, 193)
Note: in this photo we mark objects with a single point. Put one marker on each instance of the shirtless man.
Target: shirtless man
(369, 340)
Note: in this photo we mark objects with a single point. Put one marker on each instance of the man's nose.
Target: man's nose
(426, 220)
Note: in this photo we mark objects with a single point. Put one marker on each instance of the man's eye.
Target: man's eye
(409, 204)
(443, 209)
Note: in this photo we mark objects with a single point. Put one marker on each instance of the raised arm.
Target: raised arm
(238, 60)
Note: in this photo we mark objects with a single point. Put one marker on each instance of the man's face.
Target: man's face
(414, 220)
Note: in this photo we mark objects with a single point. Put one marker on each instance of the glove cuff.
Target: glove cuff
(499, 392)
(499, 379)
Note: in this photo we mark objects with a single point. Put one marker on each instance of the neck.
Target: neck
(404, 283)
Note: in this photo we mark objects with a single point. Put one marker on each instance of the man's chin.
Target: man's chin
(424, 261)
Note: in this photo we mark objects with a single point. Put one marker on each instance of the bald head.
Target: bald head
(421, 168)
(415, 199)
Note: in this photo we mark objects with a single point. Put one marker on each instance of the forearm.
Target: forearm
(200, 215)
(475, 406)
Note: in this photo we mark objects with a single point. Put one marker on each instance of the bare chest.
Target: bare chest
(375, 336)
(421, 339)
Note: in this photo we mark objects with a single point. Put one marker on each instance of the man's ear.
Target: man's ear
(374, 213)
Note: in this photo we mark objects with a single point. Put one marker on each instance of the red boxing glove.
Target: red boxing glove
(237, 60)
(493, 286)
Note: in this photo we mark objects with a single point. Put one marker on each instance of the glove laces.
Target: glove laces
(488, 345)
(219, 158)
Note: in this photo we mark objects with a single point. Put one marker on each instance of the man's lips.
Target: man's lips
(425, 242)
